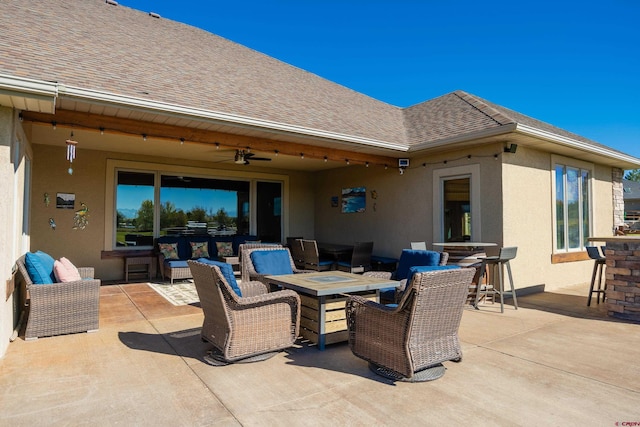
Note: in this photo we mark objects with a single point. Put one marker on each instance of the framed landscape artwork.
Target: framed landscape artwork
(354, 199)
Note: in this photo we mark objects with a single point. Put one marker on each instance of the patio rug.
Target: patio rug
(182, 293)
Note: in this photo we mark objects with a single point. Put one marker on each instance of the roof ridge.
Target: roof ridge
(484, 108)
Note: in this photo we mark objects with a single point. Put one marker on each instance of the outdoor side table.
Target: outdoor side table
(141, 270)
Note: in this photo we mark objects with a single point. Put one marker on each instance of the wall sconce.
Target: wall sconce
(511, 148)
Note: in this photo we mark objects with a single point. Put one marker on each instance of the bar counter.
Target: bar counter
(622, 276)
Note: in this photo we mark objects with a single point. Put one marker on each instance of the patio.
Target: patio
(554, 361)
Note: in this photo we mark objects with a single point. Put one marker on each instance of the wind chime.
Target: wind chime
(71, 152)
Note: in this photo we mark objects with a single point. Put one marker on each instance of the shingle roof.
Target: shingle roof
(92, 45)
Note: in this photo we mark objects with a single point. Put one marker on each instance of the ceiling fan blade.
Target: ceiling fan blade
(264, 159)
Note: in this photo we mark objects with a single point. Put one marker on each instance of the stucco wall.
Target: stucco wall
(516, 205)
(6, 226)
(88, 183)
(528, 219)
(403, 210)
(13, 146)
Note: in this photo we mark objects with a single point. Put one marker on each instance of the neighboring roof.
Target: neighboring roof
(631, 189)
(100, 48)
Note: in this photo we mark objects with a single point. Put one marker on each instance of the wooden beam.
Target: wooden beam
(116, 125)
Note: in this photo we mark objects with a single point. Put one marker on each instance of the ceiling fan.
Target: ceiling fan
(243, 157)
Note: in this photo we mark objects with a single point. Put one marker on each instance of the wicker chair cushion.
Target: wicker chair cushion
(227, 272)
(274, 262)
(176, 263)
(410, 258)
(40, 267)
(65, 271)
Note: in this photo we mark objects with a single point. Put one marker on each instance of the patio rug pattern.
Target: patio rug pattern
(182, 293)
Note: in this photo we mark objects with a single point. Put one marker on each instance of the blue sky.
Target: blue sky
(573, 64)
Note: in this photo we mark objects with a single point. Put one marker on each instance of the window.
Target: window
(572, 207)
(152, 204)
(148, 200)
(456, 204)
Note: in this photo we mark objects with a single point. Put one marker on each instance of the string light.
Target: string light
(145, 137)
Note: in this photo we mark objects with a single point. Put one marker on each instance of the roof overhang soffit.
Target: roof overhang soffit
(28, 94)
(179, 111)
(117, 125)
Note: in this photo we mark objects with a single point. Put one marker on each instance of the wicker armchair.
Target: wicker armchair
(409, 258)
(252, 327)
(248, 269)
(61, 308)
(410, 342)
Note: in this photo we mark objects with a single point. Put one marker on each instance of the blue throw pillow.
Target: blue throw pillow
(40, 267)
(410, 258)
(227, 272)
(274, 262)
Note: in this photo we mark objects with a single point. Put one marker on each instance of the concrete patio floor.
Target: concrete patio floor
(554, 361)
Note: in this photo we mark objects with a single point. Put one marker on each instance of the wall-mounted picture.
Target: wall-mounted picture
(354, 199)
(65, 200)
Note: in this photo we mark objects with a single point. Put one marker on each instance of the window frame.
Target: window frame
(580, 166)
(443, 174)
(111, 183)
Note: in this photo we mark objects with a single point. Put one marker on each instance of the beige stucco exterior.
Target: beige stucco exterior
(143, 115)
(92, 184)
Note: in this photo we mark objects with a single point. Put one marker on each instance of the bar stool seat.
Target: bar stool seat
(492, 264)
(598, 266)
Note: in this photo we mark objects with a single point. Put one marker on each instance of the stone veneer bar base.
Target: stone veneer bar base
(623, 277)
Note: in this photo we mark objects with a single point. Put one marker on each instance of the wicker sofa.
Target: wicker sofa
(186, 248)
(61, 308)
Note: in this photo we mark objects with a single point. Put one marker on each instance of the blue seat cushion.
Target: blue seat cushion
(176, 263)
(410, 258)
(40, 267)
(274, 262)
(227, 272)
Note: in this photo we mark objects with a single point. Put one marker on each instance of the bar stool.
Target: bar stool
(494, 263)
(598, 266)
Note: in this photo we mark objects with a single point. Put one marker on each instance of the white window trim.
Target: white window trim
(580, 164)
(439, 176)
(111, 183)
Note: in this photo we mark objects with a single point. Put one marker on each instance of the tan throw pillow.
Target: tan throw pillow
(224, 248)
(199, 249)
(169, 250)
